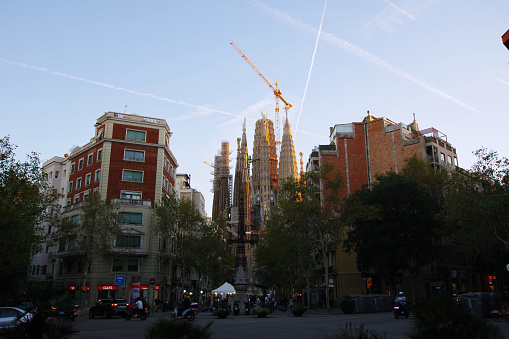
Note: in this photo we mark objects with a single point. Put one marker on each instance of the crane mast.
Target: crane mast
(275, 90)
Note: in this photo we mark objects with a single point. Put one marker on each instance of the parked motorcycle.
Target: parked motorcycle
(188, 314)
(401, 309)
(236, 309)
(133, 312)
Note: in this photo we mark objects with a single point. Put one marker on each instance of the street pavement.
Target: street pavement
(312, 325)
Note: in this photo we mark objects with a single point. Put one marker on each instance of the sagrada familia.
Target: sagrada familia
(254, 191)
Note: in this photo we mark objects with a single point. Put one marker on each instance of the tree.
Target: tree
(91, 233)
(193, 243)
(392, 225)
(476, 212)
(26, 201)
(311, 225)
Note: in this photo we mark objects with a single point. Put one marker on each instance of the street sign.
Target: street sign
(119, 280)
(331, 282)
(507, 267)
(152, 281)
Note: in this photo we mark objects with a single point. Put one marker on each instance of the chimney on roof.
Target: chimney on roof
(413, 126)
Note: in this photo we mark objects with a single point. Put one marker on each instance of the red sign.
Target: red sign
(74, 288)
(135, 284)
(152, 281)
(146, 287)
(107, 288)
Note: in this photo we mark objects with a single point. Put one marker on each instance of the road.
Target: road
(312, 325)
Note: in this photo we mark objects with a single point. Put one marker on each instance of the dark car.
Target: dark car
(107, 308)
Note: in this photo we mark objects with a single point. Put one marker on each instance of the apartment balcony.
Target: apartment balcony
(72, 207)
(133, 202)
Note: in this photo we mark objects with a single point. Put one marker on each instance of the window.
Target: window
(72, 243)
(131, 241)
(132, 265)
(77, 199)
(65, 173)
(99, 154)
(129, 175)
(130, 195)
(87, 179)
(80, 164)
(97, 176)
(128, 218)
(68, 202)
(90, 159)
(78, 183)
(85, 195)
(56, 174)
(75, 219)
(69, 188)
(134, 155)
(442, 157)
(61, 245)
(100, 134)
(50, 176)
(73, 167)
(118, 265)
(135, 135)
(449, 160)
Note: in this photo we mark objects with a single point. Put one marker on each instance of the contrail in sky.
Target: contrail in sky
(310, 69)
(408, 15)
(361, 53)
(504, 82)
(42, 69)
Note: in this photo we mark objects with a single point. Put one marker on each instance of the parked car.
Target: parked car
(11, 316)
(107, 308)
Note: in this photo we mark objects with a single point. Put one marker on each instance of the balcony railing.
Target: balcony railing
(133, 202)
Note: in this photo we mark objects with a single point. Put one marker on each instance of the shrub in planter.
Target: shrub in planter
(167, 329)
(347, 304)
(221, 313)
(261, 312)
(444, 317)
(298, 310)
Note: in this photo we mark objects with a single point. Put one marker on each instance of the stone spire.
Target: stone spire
(287, 160)
(264, 170)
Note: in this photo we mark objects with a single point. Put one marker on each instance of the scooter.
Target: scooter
(400, 309)
(133, 312)
(187, 314)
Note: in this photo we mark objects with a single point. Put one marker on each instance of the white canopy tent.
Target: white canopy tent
(224, 288)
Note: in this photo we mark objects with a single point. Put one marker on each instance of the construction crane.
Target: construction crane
(276, 90)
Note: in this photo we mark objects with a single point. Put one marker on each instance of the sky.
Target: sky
(64, 63)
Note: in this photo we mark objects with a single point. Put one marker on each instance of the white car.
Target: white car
(9, 317)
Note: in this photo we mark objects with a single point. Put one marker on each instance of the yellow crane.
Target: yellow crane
(275, 90)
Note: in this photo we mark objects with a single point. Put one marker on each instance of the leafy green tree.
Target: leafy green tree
(91, 232)
(311, 225)
(392, 225)
(26, 201)
(476, 212)
(195, 245)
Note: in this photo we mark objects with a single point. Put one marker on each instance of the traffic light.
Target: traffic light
(369, 283)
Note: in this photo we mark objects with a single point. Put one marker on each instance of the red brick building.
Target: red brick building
(129, 161)
(359, 151)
